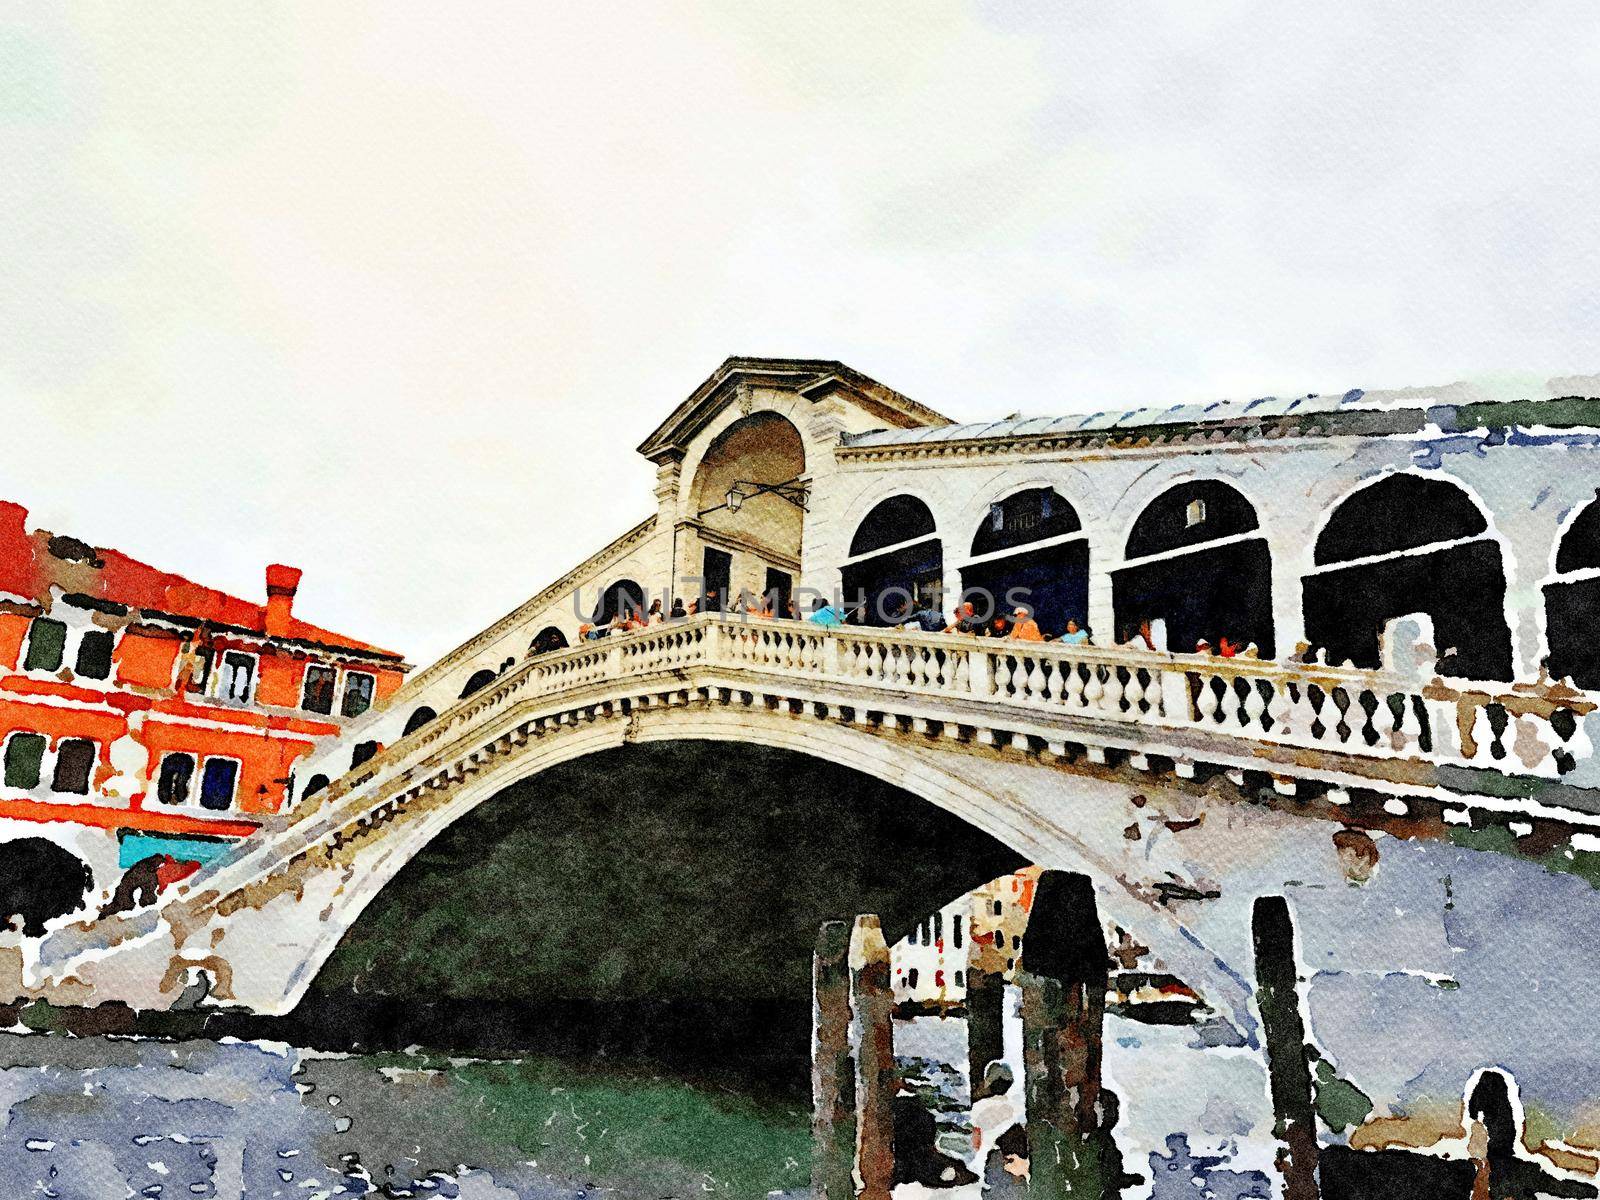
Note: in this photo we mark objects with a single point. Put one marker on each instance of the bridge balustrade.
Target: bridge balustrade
(1343, 711)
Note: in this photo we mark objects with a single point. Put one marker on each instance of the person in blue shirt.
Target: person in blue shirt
(1075, 636)
(827, 615)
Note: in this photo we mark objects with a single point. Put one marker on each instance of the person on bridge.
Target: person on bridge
(1000, 627)
(827, 615)
(926, 618)
(677, 613)
(1023, 627)
(1075, 636)
(967, 620)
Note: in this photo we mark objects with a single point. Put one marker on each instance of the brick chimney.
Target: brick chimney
(282, 583)
(16, 550)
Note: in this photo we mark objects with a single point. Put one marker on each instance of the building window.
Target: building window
(200, 675)
(318, 694)
(175, 778)
(938, 926)
(74, 764)
(955, 930)
(238, 672)
(217, 784)
(961, 978)
(94, 654)
(47, 640)
(362, 753)
(357, 693)
(24, 757)
(999, 908)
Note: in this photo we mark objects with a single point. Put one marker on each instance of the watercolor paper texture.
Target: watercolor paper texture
(466, 734)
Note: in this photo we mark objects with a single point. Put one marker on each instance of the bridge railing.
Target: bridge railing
(1341, 711)
(1537, 731)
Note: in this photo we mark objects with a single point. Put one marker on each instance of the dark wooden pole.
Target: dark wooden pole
(1284, 1033)
(833, 1134)
(986, 998)
(872, 1002)
(1070, 1151)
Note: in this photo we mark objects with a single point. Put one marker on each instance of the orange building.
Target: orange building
(146, 721)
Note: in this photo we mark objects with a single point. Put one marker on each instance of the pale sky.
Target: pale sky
(391, 292)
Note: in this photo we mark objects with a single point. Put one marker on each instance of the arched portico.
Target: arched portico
(1407, 543)
(1197, 567)
(1031, 550)
(895, 558)
(1572, 598)
(747, 505)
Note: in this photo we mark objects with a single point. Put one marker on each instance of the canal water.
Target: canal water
(99, 1117)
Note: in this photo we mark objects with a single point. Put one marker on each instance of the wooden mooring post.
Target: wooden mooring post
(1283, 1032)
(1066, 970)
(872, 1006)
(833, 1115)
(986, 1001)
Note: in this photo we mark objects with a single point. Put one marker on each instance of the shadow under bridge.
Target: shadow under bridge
(656, 901)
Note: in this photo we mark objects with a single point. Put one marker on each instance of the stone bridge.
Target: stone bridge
(1185, 784)
(1035, 744)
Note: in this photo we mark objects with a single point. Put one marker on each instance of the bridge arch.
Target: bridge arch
(479, 680)
(1404, 542)
(547, 639)
(1032, 540)
(971, 793)
(1197, 566)
(895, 554)
(748, 500)
(1572, 597)
(419, 717)
(618, 598)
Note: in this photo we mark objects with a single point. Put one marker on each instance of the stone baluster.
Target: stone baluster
(1255, 704)
(1073, 693)
(1111, 694)
(1002, 674)
(1133, 693)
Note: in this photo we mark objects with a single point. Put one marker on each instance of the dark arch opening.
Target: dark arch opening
(622, 597)
(1387, 517)
(479, 681)
(40, 881)
(547, 639)
(656, 902)
(418, 719)
(1051, 580)
(1195, 587)
(1388, 527)
(314, 785)
(884, 582)
(1572, 606)
(363, 752)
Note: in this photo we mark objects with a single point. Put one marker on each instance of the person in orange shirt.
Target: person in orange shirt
(1023, 627)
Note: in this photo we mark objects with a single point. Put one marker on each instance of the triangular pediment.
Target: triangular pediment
(814, 379)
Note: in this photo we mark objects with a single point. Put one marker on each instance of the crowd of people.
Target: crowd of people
(1019, 625)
